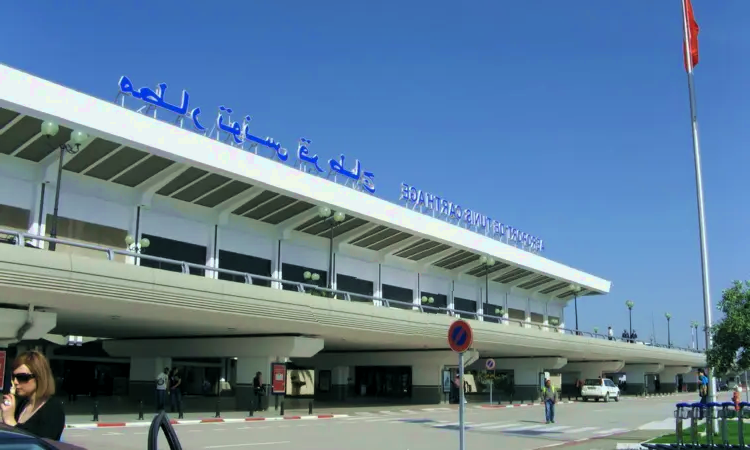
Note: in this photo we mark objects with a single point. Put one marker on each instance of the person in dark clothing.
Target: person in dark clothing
(175, 391)
(625, 335)
(633, 337)
(31, 406)
(258, 389)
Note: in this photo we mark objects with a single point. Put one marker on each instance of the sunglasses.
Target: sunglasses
(23, 377)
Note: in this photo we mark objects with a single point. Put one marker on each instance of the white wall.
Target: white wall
(16, 192)
(399, 278)
(176, 228)
(304, 256)
(435, 285)
(364, 270)
(465, 290)
(247, 243)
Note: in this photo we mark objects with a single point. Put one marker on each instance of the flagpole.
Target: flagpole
(699, 194)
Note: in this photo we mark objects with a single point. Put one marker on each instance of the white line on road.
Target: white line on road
(498, 427)
(579, 430)
(558, 428)
(612, 431)
(490, 424)
(253, 427)
(524, 428)
(248, 444)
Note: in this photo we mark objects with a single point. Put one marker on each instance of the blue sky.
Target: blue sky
(567, 119)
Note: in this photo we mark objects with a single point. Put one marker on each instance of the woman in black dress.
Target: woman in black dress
(30, 406)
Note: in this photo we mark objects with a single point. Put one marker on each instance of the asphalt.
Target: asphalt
(582, 426)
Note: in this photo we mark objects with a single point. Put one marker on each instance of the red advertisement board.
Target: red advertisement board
(278, 378)
(2, 370)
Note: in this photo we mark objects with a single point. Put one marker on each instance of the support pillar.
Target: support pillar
(527, 373)
(636, 377)
(143, 373)
(668, 377)
(212, 252)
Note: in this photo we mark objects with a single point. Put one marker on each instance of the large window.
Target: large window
(89, 233)
(383, 382)
(356, 285)
(399, 294)
(176, 250)
(244, 263)
(465, 308)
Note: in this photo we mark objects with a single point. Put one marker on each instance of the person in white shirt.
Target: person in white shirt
(610, 333)
(162, 380)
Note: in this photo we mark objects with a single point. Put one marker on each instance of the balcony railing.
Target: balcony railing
(21, 239)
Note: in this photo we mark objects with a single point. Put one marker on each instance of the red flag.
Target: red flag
(693, 30)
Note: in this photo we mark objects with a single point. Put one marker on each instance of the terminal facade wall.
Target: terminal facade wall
(103, 213)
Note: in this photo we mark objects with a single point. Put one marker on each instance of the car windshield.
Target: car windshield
(593, 382)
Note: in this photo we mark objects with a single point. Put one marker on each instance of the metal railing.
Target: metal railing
(21, 239)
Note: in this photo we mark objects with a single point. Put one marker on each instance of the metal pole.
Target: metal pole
(669, 335)
(53, 231)
(492, 382)
(747, 389)
(330, 259)
(461, 425)
(631, 323)
(699, 196)
(576, 305)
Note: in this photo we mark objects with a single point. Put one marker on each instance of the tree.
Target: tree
(730, 351)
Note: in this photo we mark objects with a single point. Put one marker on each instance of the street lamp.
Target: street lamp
(487, 262)
(333, 220)
(136, 247)
(596, 330)
(669, 334)
(427, 300)
(311, 276)
(630, 305)
(576, 290)
(694, 331)
(50, 129)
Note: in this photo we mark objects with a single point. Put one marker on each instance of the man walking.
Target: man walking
(161, 389)
(702, 389)
(549, 398)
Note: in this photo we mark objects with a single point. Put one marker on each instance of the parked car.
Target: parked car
(600, 388)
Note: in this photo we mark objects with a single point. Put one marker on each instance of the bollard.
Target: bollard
(710, 418)
(218, 408)
(724, 424)
(179, 409)
(741, 424)
(276, 402)
(680, 414)
(695, 410)
(282, 407)
(140, 410)
(252, 408)
(309, 408)
(96, 411)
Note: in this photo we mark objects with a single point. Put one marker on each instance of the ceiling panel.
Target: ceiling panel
(288, 213)
(466, 259)
(377, 237)
(254, 202)
(116, 163)
(233, 189)
(399, 237)
(375, 230)
(7, 116)
(18, 134)
(201, 187)
(554, 288)
(96, 150)
(181, 180)
(270, 207)
(453, 257)
(143, 171)
(43, 146)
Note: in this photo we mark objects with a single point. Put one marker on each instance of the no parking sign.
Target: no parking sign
(490, 364)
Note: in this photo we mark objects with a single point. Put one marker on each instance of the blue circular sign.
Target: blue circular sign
(490, 364)
(460, 336)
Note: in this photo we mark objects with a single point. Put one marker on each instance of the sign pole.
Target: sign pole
(461, 407)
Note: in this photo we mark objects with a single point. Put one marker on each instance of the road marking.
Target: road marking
(497, 427)
(408, 411)
(112, 434)
(248, 444)
(524, 428)
(489, 424)
(561, 427)
(612, 431)
(247, 428)
(579, 430)
(364, 413)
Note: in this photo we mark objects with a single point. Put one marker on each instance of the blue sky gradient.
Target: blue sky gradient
(567, 119)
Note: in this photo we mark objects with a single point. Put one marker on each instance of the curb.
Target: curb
(144, 423)
(593, 438)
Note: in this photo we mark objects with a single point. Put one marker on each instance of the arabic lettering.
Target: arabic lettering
(338, 166)
(304, 156)
(368, 182)
(155, 98)
(233, 128)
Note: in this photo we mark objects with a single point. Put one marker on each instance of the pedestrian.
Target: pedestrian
(610, 334)
(161, 389)
(549, 398)
(259, 391)
(736, 398)
(175, 391)
(702, 389)
(31, 405)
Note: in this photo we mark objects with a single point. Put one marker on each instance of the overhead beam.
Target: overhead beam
(26, 144)
(152, 186)
(10, 124)
(225, 208)
(286, 227)
(102, 160)
(397, 246)
(543, 286)
(462, 269)
(430, 260)
(343, 238)
(521, 280)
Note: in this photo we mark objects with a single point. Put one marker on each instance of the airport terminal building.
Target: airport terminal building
(183, 238)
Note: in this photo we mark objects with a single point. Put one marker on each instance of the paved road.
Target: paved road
(517, 428)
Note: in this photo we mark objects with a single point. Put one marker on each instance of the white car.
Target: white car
(600, 388)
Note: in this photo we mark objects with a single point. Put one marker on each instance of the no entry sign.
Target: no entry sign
(460, 336)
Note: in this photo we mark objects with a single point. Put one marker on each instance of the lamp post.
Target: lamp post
(311, 276)
(136, 247)
(487, 262)
(596, 330)
(50, 129)
(576, 290)
(333, 221)
(669, 334)
(694, 326)
(427, 300)
(630, 305)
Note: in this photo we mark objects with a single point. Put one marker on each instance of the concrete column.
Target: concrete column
(378, 289)
(37, 224)
(480, 304)
(143, 373)
(527, 317)
(668, 377)
(276, 272)
(526, 373)
(212, 251)
(635, 377)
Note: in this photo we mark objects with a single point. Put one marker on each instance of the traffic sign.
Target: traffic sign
(460, 336)
(490, 364)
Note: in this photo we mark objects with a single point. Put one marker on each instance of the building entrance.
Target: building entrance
(383, 381)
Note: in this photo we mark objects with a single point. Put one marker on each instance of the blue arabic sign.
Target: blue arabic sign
(237, 134)
(447, 210)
